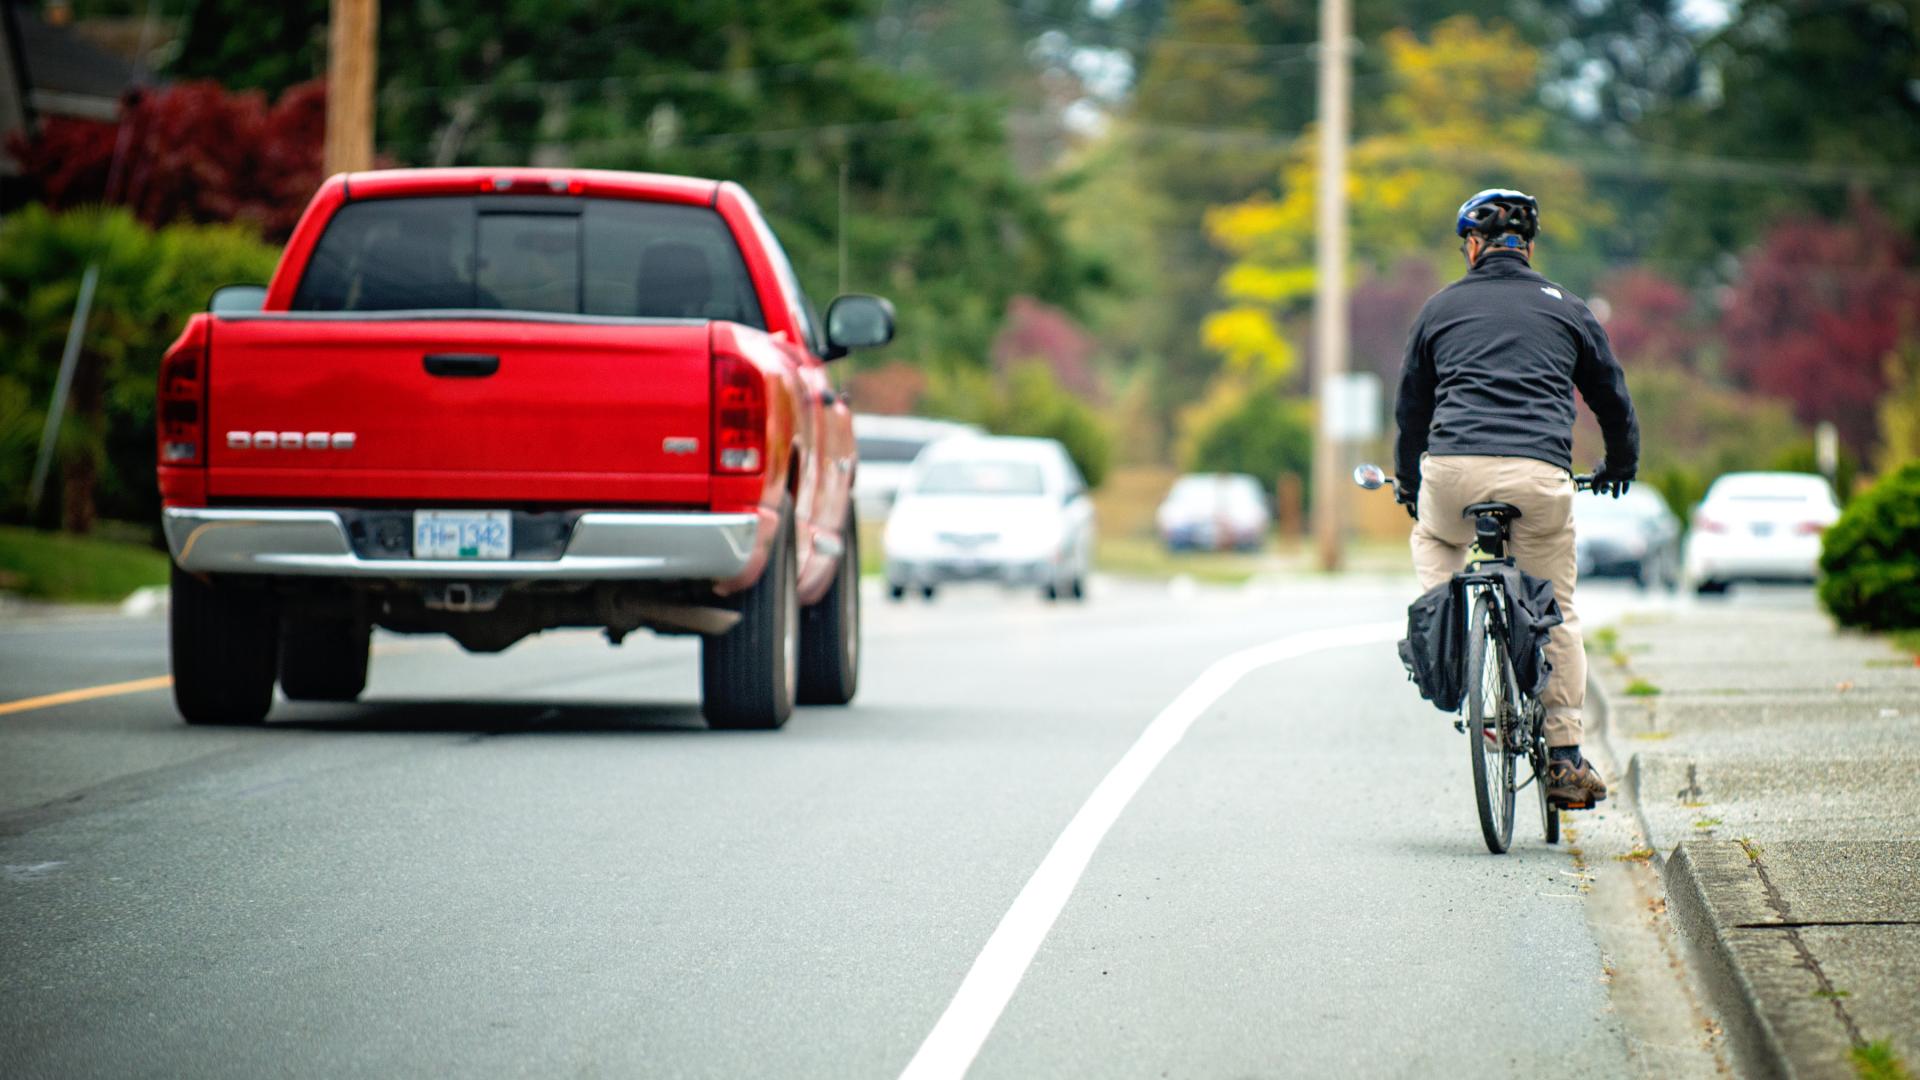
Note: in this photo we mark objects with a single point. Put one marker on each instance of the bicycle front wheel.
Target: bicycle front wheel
(1490, 720)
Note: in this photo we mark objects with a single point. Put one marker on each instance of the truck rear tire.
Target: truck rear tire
(830, 632)
(324, 659)
(748, 674)
(225, 644)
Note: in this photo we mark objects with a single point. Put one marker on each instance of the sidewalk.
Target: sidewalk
(1776, 773)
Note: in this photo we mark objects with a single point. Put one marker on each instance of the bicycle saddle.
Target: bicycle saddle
(1491, 509)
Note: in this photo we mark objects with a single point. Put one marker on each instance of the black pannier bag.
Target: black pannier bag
(1534, 613)
(1435, 648)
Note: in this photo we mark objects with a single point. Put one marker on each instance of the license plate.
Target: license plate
(462, 534)
(1762, 529)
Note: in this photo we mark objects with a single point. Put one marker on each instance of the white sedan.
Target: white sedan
(1759, 526)
(1011, 510)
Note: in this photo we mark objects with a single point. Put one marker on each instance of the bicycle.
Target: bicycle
(1505, 723)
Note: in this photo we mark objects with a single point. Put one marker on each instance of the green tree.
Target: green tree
(1789, 88)
(772, 93)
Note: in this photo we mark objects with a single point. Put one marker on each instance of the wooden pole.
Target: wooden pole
(1330, 296)
(351, 45)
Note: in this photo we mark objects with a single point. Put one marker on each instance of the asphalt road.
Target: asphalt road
(542, 864)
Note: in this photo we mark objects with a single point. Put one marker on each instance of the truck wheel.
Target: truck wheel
(747, 674)
(324, 659)
(225, 643)
(830, 632)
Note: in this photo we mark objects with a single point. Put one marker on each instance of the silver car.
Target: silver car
(1009, 510)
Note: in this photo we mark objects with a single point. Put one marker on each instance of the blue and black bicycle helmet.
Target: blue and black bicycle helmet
(1498, 212)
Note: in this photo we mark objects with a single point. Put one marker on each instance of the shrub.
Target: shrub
(1870, 558)
(149, 283)
(1247, 425)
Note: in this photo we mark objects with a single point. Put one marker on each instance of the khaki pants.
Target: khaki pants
(1542, 546)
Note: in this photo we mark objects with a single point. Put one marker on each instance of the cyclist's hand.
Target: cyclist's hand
(1609, 480)
(1408, 496)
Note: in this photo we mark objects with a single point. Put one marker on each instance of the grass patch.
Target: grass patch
(1605, 641)
(1642, 688)
(1142, 557)
(1653, 736)
(60, 566)
(1907, 641)
(1706, 822)
(1639, 854)
(1877, 1061)
(873, 557)
(1832, 995)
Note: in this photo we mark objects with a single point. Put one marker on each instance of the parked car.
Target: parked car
(1635, 536)
(1759, 526)
(1213, 512)
(489, 402)
(888, 445)
(1011, 510)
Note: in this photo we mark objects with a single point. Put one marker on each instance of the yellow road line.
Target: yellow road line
(89, 693)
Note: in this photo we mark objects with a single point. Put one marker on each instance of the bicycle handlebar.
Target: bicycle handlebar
(1373, 477)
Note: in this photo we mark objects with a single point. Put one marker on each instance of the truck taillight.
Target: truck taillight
(739, 416)
(182, 402)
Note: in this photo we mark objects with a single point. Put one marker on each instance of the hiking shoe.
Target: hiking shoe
(1575, 786)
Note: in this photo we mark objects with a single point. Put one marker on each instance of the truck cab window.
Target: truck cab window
(573, 256)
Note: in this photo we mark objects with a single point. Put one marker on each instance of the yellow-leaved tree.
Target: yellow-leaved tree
(1460, 114)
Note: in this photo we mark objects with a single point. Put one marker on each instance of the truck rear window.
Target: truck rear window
(549, 254)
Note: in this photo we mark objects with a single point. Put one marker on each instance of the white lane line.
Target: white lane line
(954, 1043)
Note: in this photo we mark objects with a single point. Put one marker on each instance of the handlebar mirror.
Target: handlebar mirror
(1371, 477)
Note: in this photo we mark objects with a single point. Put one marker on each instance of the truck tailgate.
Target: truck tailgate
(458, 411)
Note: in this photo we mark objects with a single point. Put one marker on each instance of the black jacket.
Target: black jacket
(1491, 368)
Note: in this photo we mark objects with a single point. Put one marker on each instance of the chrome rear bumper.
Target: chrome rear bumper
(605, 546)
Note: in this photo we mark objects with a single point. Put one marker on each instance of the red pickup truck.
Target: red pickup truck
(489, 402)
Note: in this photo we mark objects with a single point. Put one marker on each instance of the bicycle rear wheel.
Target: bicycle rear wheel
(1490, 719)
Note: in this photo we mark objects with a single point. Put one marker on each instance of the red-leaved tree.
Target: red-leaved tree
(192, 151)
(1816, 311)
(1037, 331)
(1650, 320)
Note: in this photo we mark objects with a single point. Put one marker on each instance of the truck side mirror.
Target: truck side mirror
(241, 299)
(855, 321)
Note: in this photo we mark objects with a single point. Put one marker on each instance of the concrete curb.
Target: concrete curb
(1756, 1047)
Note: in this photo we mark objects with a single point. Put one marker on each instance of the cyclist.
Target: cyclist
(1486, 414)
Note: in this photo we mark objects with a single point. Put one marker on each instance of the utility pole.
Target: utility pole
(351, 46)
(1330, 294)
